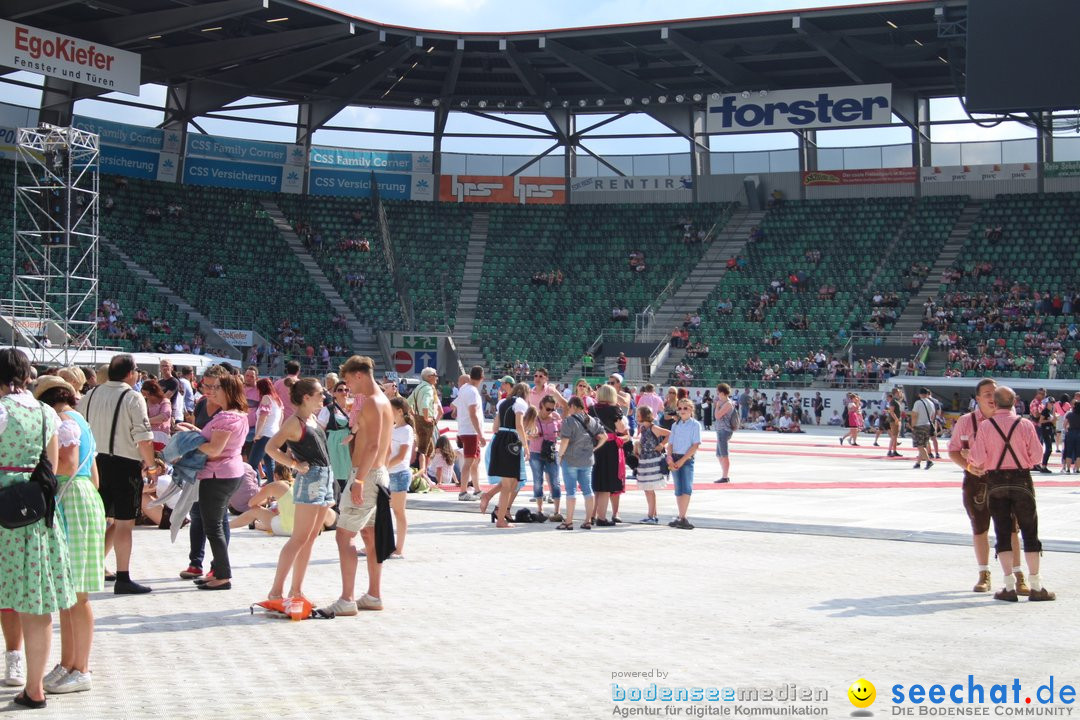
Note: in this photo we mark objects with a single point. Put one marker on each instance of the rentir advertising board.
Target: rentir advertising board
(498, 189)
(392, 186)
(622, 184)
(974, 173)
(252, 151)
(871, 176)
(814, 108)
(60, 56)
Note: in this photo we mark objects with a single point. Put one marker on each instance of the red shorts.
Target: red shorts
(470, 445)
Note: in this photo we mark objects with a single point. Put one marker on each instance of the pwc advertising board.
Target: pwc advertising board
(495, 189)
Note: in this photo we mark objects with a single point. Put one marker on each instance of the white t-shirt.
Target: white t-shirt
(273, 413)
(402, 437)
(468, 396)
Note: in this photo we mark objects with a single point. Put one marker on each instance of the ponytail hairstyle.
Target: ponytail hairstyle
(301, 389)
(398, 403)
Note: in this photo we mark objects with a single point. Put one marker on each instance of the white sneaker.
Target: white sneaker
(14, 672)
(341, 608)
(74, 681)
(54, 676)
(366, 602)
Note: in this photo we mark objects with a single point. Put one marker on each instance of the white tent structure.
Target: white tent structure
(145, 361)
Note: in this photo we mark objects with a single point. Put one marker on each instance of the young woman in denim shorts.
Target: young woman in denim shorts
(312, 488)
(402, 443)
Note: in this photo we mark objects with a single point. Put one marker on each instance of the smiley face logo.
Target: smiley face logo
(862, 693)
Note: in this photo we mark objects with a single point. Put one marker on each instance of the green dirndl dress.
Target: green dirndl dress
(81, 508)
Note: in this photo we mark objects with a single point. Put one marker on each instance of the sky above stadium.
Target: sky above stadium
(506, 16)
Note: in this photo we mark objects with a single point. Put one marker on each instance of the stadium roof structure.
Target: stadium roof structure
(213, 54)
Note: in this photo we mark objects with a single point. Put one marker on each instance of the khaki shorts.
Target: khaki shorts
(425, 442)
(354, 518)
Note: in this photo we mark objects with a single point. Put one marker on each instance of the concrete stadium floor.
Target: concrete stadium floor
(817, 566)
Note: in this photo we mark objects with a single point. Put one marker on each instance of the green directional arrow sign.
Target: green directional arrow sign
(420, 342)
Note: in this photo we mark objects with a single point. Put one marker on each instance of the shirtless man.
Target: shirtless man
(372, 427)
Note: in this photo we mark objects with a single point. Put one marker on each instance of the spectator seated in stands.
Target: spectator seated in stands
(770, 373)
(620, 313)
(798, 322)
(215, 270)
(725, 307)
(732, 263)
(756, 314)
(153, 214)
(993, 234)
(684, 372)
(697, 350)
(826, 292)
(637, 261)
(109, 204)
(142, 315)
(813, 256)
(755, 235)
(175, 209)
(836, 420)
(776, 199)
(753, 365)
(695, 321)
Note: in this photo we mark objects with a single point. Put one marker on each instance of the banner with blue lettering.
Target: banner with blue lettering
(829, 108)
(349, 183)
(133, 136)
(252, 151)
(350, 159)
(227, 173)
(138, 163)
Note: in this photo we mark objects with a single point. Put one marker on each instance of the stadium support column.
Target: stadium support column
(176, 102)
(921, 149)
(440, 116)
(808, 159)
(57, 102)
(700, 161)
(565, 125)
(304, 131)
(1044, 147)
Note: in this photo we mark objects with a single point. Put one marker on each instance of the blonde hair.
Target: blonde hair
(73, 375)
(607, 394)
(530, 418)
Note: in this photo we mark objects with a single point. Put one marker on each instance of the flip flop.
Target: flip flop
(565, 526)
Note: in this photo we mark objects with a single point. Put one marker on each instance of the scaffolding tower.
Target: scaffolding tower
(55, 243)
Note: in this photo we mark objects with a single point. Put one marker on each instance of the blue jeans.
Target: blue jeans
(539, 467)
(197, 535)
(683, 477)
(258, 454)
(400, 481)
(577, 477)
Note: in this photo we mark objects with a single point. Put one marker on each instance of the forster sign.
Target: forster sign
(61, 56)
(826, 108)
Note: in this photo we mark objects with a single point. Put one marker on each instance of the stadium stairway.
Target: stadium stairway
(364, 340)
(470, 292)
(214, 342)
(910, 320)
(729, 241)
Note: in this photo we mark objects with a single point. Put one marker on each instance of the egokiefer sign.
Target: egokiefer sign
(499, 189)
(60, 56)
(826, 108)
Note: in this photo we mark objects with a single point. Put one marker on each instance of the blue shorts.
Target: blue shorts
(683, 477)
(722, 437)
(315, 487)
(400, 481)
(577, 477)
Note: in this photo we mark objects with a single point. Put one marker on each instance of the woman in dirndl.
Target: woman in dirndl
(509, 447)
(34, 567)
(609, 470)
(83, 516)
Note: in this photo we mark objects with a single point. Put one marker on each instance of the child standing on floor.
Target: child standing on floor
(683, 444)
(650, 451)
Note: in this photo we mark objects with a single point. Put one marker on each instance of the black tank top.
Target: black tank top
(311, 447)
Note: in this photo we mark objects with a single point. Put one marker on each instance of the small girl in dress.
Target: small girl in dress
(650, 451)
(442, 462)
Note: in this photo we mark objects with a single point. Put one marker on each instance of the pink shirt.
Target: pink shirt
(287, 410)
(986, 450)
(162, 408)
(535, 396)
(652, 401)
(964, 434)
(252, 395)
(228, 464)
(547, 429)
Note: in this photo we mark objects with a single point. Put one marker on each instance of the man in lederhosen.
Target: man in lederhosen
(964, 434)
(1006, 450)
